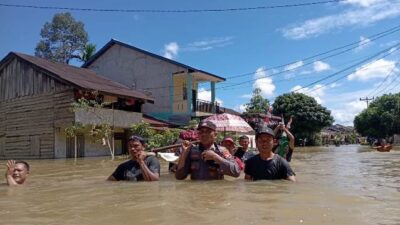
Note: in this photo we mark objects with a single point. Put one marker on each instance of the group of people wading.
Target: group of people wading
(206, 160)
(209, 161)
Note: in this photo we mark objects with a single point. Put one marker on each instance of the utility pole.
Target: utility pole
(367, 100)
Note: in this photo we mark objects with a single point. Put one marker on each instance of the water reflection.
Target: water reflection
(336, 185)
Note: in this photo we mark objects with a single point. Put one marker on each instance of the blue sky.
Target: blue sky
(246, 47)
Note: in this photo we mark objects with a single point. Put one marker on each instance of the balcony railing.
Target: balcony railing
(116, 118)
(205, 106)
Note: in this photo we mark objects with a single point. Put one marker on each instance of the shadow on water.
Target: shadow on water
(336, 185)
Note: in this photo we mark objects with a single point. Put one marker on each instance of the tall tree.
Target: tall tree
(381, 118)
(257, 104)
(309, 117)
(63, 39)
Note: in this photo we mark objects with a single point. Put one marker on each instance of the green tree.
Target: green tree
(101, 132)
(154, 139)
(88, 52)
(309, 117)
(257, 104)
(63, 39)
(381, 119)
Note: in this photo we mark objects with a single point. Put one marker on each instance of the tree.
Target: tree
(88, 52)
(257, 103)
(309, 117)
(154, 139)
(63, 39)
(381, 119)
(101, 132)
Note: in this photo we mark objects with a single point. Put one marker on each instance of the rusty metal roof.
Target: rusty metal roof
(81, 77)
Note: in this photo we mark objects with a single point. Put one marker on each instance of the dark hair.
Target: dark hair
(244, 137)
(23, 162)
(137, 138)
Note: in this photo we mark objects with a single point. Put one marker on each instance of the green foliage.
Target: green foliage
(62, 39)
(154, 139)
(165, 138)
(98, 132)
(257, 103)
(142, 129)
(74, 129)
(381, 119)
(88, 52)
(309, 117)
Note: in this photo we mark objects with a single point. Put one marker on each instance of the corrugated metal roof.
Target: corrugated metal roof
(113, 41)
(81, 77)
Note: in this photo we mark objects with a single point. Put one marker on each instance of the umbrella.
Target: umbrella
(229, 122)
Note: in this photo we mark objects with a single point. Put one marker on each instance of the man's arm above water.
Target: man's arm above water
(182, 170)
(228, 165)
(9, 173)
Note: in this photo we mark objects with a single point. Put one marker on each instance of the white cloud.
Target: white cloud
(247, 96)
(364, 43)
(376, 69)
(263, 82)
(317, 92)
(171, 50)
(393, 50)
(240, 108)
(345, 116)
(205, 95)
(208, 44)
(294, 66)
(359, 14)
(363, 3)
(320, 66)
(333, 85)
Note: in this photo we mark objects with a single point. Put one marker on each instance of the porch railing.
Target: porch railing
(205, 106)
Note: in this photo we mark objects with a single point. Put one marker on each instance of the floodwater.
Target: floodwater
(336, 185)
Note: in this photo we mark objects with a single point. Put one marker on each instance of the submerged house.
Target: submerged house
(35, 102)
(173, 85)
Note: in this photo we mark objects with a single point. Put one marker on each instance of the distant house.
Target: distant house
(35, 101)
(173, 85)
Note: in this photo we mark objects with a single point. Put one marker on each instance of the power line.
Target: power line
(354, 44)
(366, 99)
(392, 83)
(390, 73)
(363, 61)
(387, 50)
(173, 10)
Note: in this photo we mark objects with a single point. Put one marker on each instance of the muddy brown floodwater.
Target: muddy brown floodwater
(336, 185)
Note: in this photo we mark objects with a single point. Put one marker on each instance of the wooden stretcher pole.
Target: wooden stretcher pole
(160, 149)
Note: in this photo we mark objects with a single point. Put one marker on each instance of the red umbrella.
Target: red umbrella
(229, 122)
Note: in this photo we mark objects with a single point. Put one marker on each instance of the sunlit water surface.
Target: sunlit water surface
(336, 185)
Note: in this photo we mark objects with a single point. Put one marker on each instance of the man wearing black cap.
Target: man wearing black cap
(206, 161)
(140, 167)
(267, 165)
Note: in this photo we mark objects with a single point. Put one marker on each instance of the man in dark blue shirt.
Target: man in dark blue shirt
(267, 165)
(140, 167)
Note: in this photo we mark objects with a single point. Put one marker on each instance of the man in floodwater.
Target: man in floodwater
(17, 172)
(206, 161)
(243, 152)
(140, 167)
(285, 140)
(267, 165)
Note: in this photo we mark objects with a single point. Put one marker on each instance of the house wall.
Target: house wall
(140, 71)
(179, 103)
(28, 108)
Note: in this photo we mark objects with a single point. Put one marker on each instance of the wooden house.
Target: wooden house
(172, 84)
(35, 102)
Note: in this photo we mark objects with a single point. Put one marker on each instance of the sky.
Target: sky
(336, 52)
